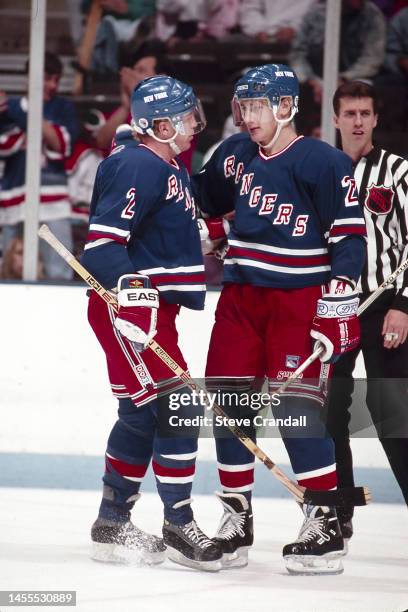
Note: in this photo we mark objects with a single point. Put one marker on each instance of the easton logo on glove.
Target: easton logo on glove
(137, 316)
(141, 296)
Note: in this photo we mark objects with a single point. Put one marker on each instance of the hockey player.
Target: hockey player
(144, 242)
(296, 249)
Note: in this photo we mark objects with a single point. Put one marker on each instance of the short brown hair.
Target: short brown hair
(52, 64)
(354, 89)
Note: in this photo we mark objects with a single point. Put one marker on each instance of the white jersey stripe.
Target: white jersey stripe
(152, 271)
(96, 227)
(273, 249)
(180, 287)
(284, 270)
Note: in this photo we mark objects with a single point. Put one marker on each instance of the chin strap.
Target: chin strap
(170, 141)
(281, 123)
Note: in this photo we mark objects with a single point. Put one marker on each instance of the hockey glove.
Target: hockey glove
(138, 304)
(336, 325)
(213, 231)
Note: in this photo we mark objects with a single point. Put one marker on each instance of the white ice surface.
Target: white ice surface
(45, 546)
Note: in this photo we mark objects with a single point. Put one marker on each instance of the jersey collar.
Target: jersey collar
(373, 156)
(292, 142)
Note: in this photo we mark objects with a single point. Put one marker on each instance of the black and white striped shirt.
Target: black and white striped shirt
(382, 182)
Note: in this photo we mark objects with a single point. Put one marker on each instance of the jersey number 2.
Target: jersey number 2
(128, 212)
(351, 198)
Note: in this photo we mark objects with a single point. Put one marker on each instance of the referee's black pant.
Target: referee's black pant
(386, 398)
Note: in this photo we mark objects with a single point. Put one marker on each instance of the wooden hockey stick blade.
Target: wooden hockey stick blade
(301, 494)
(347, 496)
(388, 281)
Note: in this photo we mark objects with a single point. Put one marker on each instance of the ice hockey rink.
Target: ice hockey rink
(56, 412)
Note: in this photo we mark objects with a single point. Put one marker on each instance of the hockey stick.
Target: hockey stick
(356, 496)
(388, 281)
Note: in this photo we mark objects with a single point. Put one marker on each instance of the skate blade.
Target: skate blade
(313, 565)
(239, 558)
(206, 566)
(114, 553)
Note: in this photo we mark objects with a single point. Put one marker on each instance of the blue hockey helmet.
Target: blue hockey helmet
(163, 97)
(270, 82)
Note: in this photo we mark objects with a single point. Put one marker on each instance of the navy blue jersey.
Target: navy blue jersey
(297, 219)
(143, 219)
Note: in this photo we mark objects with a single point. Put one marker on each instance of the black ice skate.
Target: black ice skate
(125, 543)
(188, 545)
(319, 545)
(235, 533)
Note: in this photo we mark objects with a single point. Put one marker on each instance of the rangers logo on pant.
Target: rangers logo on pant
(292, 361)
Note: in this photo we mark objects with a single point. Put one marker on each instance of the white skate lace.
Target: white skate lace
(194, 533)
(230, 525)
(312, 527)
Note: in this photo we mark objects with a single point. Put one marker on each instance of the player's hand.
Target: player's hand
(336, 325)
(395, 328)
(213, 231)
(138, 304)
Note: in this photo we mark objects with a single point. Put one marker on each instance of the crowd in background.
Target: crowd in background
(133, 39)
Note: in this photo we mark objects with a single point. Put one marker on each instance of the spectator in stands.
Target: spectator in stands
(396, 58)
(362, 44)
(276, 21)
(148, 61)
(195, 19)
(59, 131)
(392, 82)
(12, 264)
(81, 169)
(123, 21)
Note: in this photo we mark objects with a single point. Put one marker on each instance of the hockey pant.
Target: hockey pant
(142, 384)
(263, 332)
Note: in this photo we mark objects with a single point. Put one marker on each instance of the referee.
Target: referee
(382, 181)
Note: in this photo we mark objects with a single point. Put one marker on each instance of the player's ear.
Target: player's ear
(163, 129)
(285, 107)
(375, 121)
(336, 121)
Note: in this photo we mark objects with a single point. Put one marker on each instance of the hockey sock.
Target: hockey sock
(128, 455)
(174, 467)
